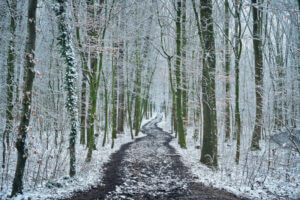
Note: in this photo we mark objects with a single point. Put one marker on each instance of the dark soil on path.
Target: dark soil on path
(149, 168)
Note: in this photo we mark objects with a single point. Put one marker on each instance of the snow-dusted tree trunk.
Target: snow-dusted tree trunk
(29, 75)
(179, 119)
(121, 77)
(122, 110)
(9, 80)
(94, 10)
(94, 73)
(137, 90)
(227, 71)
(84, 81)
(237, 53)
(258, 63)
(184, 65)
(67, 53)
(114, 92)
(207, 39)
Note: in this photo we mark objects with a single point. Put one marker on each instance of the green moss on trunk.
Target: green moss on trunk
(209, 151)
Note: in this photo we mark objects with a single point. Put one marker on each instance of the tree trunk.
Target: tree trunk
(29, 75)
(95, 69)
(237, 52)
(9, 81)
(67, 53)
(93, 35)
(114, 93)
(279, 104)
(210, 139)
(184, 70)
(92, 109)
(105, 110)
(258, 63)
(121, 107)
(129, 108)
(140, 60)
(137, 91)
(121, 76)
(180, 128)
(84, 68)
(83, 106)
(227, 72)
(173, 93)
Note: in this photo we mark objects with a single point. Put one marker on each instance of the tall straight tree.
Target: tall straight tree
(29, 75)
(184, 66)
(279, 60)
(105, 109)
(121, 84)
(237, 53)
(94, 72)
(206, 36)
(180, 128)
(114, 92)
(227, 71)
(141, 60)
(210, 141)
(121, 77)
(67, 53)
(137, 89)
(84, 68)
(9, 79)
(258, 64)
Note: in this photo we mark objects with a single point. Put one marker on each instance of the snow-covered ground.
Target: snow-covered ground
(271, 173)
(88, 174)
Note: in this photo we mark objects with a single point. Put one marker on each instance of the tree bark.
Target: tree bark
(95, 68)
(67, 53)
(105, 110)
(114, 93)
(258, 64)
(83, 106)
(29, 75)
(237, 52)
(84, 68)
(227, 72)
(210, 139)
(184, 66)
(137, 94)
(140, 60)
(121, 76)
(180, 128)
(9, 82)
(93, 35)
(92, 108)
(121, 107)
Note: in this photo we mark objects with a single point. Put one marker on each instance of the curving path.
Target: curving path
(147, 169)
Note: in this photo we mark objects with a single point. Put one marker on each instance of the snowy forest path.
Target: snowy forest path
(149, 168)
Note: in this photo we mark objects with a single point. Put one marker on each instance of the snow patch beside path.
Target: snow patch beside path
(232, 177)
(88, 174)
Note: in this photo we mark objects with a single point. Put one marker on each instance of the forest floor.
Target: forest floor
(149, 168)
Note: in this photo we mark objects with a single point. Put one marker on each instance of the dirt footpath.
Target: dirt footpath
(147, 169)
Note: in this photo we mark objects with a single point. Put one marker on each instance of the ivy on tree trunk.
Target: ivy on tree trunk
(67, 52)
